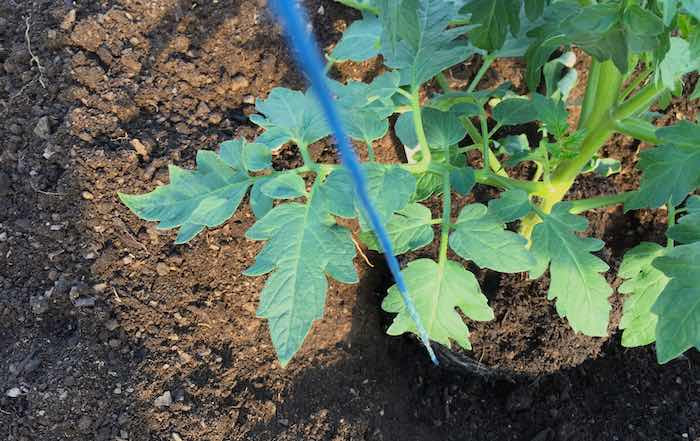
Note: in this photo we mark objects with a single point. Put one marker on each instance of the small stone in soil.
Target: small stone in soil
(14, 392)
(42, 128)
(164, 400)
(39, 304)
(87, 196)
(162, 269)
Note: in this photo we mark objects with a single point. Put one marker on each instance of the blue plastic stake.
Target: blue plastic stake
(306, 51)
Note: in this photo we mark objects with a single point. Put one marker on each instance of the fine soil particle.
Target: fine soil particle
(108, 331)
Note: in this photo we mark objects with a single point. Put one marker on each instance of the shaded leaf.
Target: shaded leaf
(510, 205)
(284, 186)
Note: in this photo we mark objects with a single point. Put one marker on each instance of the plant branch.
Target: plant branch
(581, 205)
(636, 82)
(488, 60)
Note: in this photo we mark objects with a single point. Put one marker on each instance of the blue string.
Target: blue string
(306, 52)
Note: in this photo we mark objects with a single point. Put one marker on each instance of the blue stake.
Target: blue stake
(306, 52)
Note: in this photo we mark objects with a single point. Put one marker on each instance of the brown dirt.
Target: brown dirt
(100, 314)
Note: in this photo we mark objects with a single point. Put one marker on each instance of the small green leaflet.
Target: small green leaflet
(643, 285)
(581, 291)
(442, 129)
(514, 111)
(603, 166)
(671, 170)
(409, 229)
(425, 47)
(678, 306)
(360, 41)
(687, 230)
(260, 203)
(206, 197)
(511, 205)
(495, 19)
(256, 157)
(480, 236)
(284, 186)
(290, 115)
(303, 245)
(437, 291)
(390, 189)
(462, 180)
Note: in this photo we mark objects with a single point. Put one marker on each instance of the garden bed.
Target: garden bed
(141, 339)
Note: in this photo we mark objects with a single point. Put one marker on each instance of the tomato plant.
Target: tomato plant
(641, 50)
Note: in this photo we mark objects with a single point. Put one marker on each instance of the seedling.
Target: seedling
(641, 54)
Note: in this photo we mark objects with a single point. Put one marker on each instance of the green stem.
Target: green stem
(306, 157)
(581, 205)
(422, 165)
(671, 221)
(370, 151)
(488, 178)
(471, 130)
(638, 129)
(442, 82)
(486, 157)
(488, 60)
(591, 91)
(446, 211)
(638, 80)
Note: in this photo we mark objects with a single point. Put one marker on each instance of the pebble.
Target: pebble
(14, 392)
(42, 128)
(175, 436)
(162, 269)
(84, 302)
(100, 288)
(164, 400)
(239, 82)
(68, 20)
(87, 196)
(39, 304)
(3, 236)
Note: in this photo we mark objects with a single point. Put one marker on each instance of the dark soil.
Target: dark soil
(102, 317)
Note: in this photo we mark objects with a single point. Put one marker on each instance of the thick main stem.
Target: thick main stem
(600, 123)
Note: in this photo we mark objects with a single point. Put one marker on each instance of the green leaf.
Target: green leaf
(516, 147)
(581, 291)
(361, 40)
(462, 180)
(205, 197)
(303, 245)
(670, 172)
(409, 229)
(427, 185)
(390, 189)
(668, 10)
(643, 285)
(693, 204)
(639, 21)
(687, 230)
(679, 61)
(442, 129)
(231, 152)
(514, 111)
(511, 205)
(437, 291)
(552, 113)
(678, 306)
(291, 116)
(481, 237)
(604, 166)
(425, 47)
(260, 203)
(683, 134)
(256, 157)
(496, 18)
(284, 186)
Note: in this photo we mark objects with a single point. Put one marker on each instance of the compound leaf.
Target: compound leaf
(678, 305)
(290, 115)
(481, 237)
(360, 41)
(409, 229)
(437, 292)
(576, 283)
(205, 197)
(643, 285)
(303, 245)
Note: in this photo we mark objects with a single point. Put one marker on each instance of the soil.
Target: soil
(110, 332)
